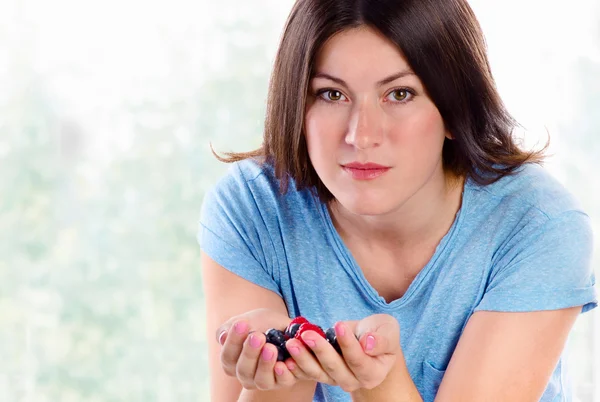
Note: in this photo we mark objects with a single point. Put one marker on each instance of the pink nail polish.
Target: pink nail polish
(294, 351)
(222, 337)
(310, 342)
(240, 327)
(370, 344)
(279, 370)
(340, 329)
(267, 354)
(254, 341)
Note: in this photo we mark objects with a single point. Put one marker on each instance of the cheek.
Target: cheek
(422, 132)
(323, 129)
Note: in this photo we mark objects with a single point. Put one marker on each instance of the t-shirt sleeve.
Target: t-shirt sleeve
(232, 232)
(548, 268)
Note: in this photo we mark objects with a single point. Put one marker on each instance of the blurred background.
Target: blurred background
(106, 114)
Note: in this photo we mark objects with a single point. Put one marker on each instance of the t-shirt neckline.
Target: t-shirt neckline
(352, 267)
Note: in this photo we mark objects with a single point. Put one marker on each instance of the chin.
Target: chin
(371, 206)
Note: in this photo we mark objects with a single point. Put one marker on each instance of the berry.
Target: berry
(278, 338)
(308, 327)
(293, 326)
(332, 339)
(291, 330)
(282, 353)
(275, 337)
(298, 320)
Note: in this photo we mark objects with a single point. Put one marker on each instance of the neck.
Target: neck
(425, 217)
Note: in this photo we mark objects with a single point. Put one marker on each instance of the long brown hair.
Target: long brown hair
(443, 44)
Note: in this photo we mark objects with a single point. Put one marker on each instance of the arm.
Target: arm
(506, 356)
(228, 295)
(499, 357)
(398, 386)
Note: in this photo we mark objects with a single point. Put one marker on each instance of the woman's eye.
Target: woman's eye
(332, 95)
(399, 95)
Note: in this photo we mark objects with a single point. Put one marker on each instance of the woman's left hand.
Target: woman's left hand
(366, 361)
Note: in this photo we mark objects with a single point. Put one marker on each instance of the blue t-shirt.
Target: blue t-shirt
(520, 244)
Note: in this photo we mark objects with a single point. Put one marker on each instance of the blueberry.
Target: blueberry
(330, 335)
(332, 339)
(275, 337)
(292, 329)
(282, 353)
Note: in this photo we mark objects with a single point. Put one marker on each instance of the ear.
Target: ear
(448, 135)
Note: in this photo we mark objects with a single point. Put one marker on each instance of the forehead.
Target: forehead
(357, 48)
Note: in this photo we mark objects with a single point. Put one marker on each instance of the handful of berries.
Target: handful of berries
(295, 329)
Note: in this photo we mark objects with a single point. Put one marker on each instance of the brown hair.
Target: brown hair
(443, 44)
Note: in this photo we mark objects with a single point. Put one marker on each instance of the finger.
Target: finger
(296, 371)
(375, 344)
(331, 362)
(232, 348)
(307, 363)
(221, 332)
(283, 376)
(265, 374)
(247, 363)
(222, 337)
(383, 339)
(355, 357)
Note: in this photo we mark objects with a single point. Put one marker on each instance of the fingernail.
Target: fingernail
(267, 354)
(309, 342)
(340, 330)
(279, 370)
(294, 351)
(370, 343)
(222, 337)
(240, 327)
(290, 365)
(254, 341)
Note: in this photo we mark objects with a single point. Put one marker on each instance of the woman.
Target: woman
(390, 199)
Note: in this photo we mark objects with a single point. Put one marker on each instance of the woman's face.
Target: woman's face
(366, 107)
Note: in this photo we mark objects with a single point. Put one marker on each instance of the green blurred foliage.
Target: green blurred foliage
(100, 281)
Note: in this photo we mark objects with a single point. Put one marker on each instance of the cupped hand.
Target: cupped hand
(246, 355)
(370, 348)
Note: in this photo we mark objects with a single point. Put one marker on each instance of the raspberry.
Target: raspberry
(308, 327)
(293, 326)
(298, 320)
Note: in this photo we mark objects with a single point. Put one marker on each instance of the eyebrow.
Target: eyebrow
(382, 82)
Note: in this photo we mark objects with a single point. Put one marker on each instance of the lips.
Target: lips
(366, 166)
(365, 171)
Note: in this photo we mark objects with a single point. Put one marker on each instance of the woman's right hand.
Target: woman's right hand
(245, 354)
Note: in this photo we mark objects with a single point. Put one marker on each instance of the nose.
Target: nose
(365, 129)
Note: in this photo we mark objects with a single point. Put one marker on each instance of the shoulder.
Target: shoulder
(250, 187)
(531, 189)
(528, 210)
(240, 174)
(244, 182)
